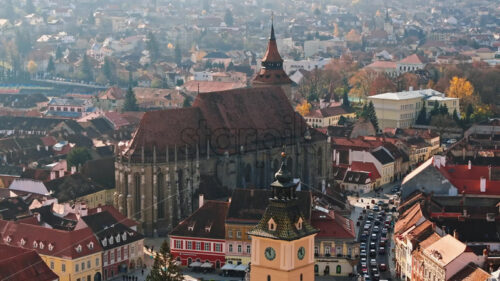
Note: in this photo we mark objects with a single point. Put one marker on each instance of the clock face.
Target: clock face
(270, 253)
(301, 253)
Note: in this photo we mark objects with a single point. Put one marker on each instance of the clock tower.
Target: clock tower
(283, 241)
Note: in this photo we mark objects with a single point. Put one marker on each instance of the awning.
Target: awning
(241, 267)
(195, 264)
(228, 266)
(207, 265)
(178, 263)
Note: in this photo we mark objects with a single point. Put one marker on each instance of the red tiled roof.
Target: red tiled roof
(48, 140)
(357, 142)
(116, 119)
(332, 226)
(366, 167)
(211, 216)
(382, 64)
(64, 242)
(412, 59)
(409, 218)
(212, 86)
(272, 54)
(272, 76)
(113, 93)
(18, 264)
(468, 181)
(471, 272)
(328, 111)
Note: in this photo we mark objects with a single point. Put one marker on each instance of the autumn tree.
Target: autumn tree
(460, 88)
(361, 83)
(381, 84)
(32, 67)
(303, 108)
(406, 80)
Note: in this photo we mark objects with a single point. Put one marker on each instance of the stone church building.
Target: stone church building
(226, 140)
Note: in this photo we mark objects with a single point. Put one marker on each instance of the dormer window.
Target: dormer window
(23, 242)
(271, 225)
(299, 223)
(51, 247)
(91, 245)
(208, 227)
(124, 236)
(78, 248)
(118, 238)
(104, 242)
(41, 245)
(8, 239)
(191, 226)
(35, 244)
(111, 240)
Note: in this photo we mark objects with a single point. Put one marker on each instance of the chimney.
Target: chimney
(201, 200)
(61, 173)
(482, 184)
(52, 175)
(73, 169)
(350, 156)
(337, 159)
(470, 165)
(38, 217)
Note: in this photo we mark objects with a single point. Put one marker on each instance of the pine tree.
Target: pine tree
(345, 99)
(51, 68)
(422, 116)
(455, 115)
(130, 101)
(435, 109)
(178, 54)
(443, 109)
(228, 18)
(152, 47)
(164, 267)
(86, 72)
(59, 53)
(468, 112)
(107, 69)
(342, 120)
(372, 115)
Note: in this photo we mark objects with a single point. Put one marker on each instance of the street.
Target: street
(374, 218)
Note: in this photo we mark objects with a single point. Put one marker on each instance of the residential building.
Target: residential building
(446, 257)
(282, 241)
(335, 246)
(410, 63)
(19, 264)
(328, 116)
(401, 109)
(119, 243)
(417, 267)
(73, 108)
(72, 255)
(199, 240)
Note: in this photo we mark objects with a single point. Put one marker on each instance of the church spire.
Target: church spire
(272, 37)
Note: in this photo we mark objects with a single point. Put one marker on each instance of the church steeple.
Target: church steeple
(271, 72)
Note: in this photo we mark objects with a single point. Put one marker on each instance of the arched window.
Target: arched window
(137, 195)
(316, 268)
(268, 277)
(327, 270)
(217, 264)
(160, 195)
(190, 261)
(339, 269)
(301, 277)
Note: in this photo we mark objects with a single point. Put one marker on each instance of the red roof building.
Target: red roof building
(19, 264)
(199, 240)
(471, 179)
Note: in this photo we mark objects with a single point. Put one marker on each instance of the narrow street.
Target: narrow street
(373, 214)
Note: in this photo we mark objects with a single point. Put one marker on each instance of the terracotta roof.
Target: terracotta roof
(332, 225)
(211, 86)
(412, 59)
(328, 111)
(272, 54)
(116, 119)
(408, 219)
(382, 64)
(356, 143)
(19, 264)
(206, 222)
(468, 181)
(471, 272)
(366, 167)
(113, 93)
(429, 241)
(64, 243)
(445, 250)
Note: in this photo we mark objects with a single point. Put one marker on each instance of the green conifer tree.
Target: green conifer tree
(130, 101)
(164, 267)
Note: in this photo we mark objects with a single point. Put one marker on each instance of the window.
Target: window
(77, 267)
(206, 247)
(339, 269)
(97, 262)
(230, 248)
(238, 234)
(198, 246)
(327, 250)
(218, 247)
(160, 196)
(189, 245)
(88, 264)
(63, 267)
(301, 277)
(239, 248)
(51, 265)
(248, 249)
(111, 256)
(137, 197)
(83, 266)
(230, 233)
(268, 277)
(178, 244)
(119, 254)
(316, 250)
(105, 258)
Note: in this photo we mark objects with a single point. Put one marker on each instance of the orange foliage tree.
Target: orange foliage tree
(303, 108)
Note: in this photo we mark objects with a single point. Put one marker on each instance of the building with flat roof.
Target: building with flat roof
(401, 109)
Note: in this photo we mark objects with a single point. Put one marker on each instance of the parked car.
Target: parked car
(382, 267)
(381, 251)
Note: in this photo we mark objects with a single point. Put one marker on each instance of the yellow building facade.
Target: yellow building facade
(100, 198)
(81, 269)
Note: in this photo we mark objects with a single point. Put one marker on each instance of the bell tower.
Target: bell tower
(283, 241)
(271, 72)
